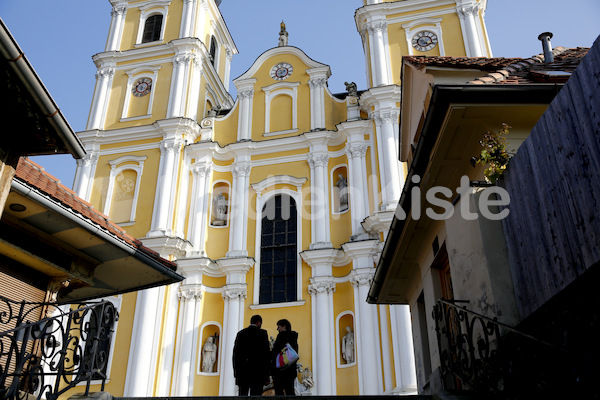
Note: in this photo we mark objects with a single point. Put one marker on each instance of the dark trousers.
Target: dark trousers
(284, 386)
(255, 390)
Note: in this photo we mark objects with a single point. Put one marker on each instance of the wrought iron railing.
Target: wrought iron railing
(481, 354)
(46, 357)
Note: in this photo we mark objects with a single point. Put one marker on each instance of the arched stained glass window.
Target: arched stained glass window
(278, 251)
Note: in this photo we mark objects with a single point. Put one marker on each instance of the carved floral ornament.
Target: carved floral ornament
(246, 94)
(357, 150)
(119, 9)
(171, 145)
(191, 293)
(241, 169)
(318, 159)
(360, 278)
(107, 72)
(376, 26)
(201, 169)
(234, 294)
(386, 117)
(321, 287)
(316, 83)
(466, 10)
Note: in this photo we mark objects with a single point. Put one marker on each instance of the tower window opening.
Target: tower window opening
(152, 28)
(213, 51)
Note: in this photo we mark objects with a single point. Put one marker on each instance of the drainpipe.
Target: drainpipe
(545, 39)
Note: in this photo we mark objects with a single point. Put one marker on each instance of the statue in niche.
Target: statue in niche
(214, 111)
(220, 204)
(305, 381)
(209, 354)
(342, 185)
(348, 346)
(351, 89)
(283, 36)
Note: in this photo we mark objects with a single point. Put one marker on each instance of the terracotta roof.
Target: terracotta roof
(511, 70)
(34, 175)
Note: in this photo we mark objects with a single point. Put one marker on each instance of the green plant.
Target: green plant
(494, 153)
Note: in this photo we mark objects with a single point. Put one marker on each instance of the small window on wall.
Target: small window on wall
(209, 350)
(152, 28)
(220, 205)
(278, 251)
(340, 193)
(213, 51)
(346, 339)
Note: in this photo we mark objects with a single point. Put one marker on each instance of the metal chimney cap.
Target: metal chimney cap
(544, 35)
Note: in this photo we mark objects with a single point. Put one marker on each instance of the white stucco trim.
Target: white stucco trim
(201, 345)
(281, 89)
(260, 202)
(149, 8)
(133, 75)
(338, 343)
(135, 163)
(430, 24)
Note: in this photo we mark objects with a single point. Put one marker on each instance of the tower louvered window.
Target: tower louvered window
(213, 51)
(278, 251)
(152, 28)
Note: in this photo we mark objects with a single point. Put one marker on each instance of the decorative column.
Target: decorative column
(143, 350)
(318, 159)
(199, 211)
(317, 84)
(177, 95)
(229, 59)
(234, 297)
(187, 22)
(245, 91)
(369, 367)
(380, 67)
(356, 152)
(189, 296)
(84, 176)
(169, 149)
(196, 78)
(104, 77)
(239, 209)
(403, 347)
(117, 22)
(468, 11)
(321, 290)
(391, 181)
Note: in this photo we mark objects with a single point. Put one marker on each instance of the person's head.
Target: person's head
(284, 325)
(256, 320)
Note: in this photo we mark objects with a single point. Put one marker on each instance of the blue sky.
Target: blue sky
(60, 36)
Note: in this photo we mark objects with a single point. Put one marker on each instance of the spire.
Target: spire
(283, 35)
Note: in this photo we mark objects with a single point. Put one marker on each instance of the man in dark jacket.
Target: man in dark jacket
(251, 358)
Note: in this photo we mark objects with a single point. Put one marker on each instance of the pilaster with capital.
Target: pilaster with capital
(233, 296)
(468, 12)
(104, 78)
(201, 172)
(162, 218)
(239, 209)
(321, 289)
(380, 60)
(386, 122)
(368, 347)
(177, 94)
(245, 89)
(117, 22)
(317, 84)
(318, 161)
(84, 175)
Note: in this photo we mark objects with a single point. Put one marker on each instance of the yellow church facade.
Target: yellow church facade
(274, 203)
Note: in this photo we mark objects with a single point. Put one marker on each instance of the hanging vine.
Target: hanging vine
(494, 153)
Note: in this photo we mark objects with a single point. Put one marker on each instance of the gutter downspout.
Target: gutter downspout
(17, 60)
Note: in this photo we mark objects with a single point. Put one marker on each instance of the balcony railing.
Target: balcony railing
(481, 354)
(46, 357)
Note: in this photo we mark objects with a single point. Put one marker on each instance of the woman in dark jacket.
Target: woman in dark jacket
(283, 379)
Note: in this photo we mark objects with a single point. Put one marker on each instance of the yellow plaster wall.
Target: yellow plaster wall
(225, 130)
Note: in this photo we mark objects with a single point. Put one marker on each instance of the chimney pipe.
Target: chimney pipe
(545, 39)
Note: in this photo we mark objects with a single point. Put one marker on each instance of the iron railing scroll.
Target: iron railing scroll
(44, 358)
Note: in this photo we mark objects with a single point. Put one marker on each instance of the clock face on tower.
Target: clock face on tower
(141, 87)
(424, 41)
(281, 71)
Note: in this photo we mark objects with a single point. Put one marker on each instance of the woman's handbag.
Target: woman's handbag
(286, 357)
